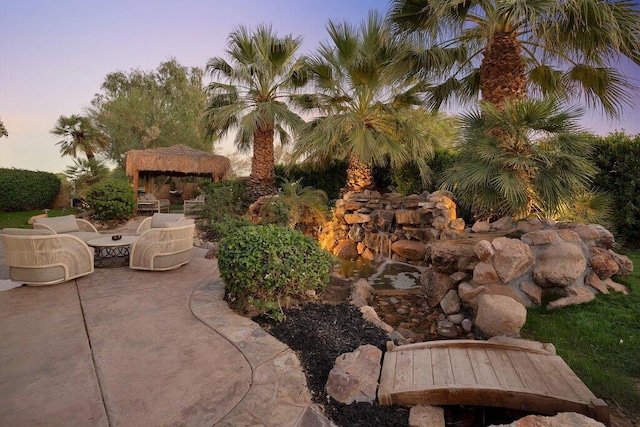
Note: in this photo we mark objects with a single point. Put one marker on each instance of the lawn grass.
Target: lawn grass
(20, 219)
(600, 340)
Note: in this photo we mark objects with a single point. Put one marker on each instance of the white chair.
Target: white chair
(194, 204)
(42, 257)
(68, 224)
(162, 245)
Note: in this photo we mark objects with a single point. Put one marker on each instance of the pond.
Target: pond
(384, 275)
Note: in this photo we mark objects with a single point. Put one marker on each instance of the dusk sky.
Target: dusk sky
(54, 55)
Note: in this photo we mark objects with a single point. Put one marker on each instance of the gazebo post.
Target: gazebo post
(136, 181)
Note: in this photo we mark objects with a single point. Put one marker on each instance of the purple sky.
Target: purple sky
(54, 55)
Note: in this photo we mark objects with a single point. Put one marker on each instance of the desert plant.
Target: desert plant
(85, 173)
(265, 266)
(112, 200)
(24, 190)
(223, 199)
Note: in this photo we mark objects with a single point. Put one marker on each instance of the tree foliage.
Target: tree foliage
(78, 135)
(26, 190)
(150, 109)
(249, 94)
(566, 48)
(527, 158)
(616, 155)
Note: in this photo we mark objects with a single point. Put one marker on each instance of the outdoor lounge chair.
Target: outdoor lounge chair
(68, 224)
(162, 245)
(42, 257)
(194, 204)
(149, 203)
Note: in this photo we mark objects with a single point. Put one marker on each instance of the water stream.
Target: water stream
(384, 275)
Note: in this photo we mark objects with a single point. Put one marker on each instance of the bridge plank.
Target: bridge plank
(483, 369)
(442, 370)
(557, 383)
(404, 370)
(506, 374)
(528, 372)
(422, 368)
(463, 371)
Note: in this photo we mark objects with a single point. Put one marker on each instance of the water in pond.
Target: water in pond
(384, 275)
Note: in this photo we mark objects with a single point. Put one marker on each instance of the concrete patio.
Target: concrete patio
(132, 348)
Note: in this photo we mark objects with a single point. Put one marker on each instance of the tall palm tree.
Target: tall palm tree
(536, 163)
(506, 48)
(366, 102)
(249, 94)
(78, 136)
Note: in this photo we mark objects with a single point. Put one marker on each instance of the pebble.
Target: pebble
(467, 325)
(402, 310)
(455, 318)
(393, 300)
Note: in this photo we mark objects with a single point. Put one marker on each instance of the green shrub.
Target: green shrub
(265, 266)
(616, 155)
(112, 200)
(24, 190)
(218, 230)
(224, 199)
(296, 207)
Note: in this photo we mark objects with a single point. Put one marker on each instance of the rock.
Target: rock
(449, 234)
(446, 255)
(356, 233)
(362, 288)
(356, 218)
(212, 253)
(408, 334)
(459, 276)
(484, 250)
(485, 273)
(467, 292)
(410, 249)
(447, 329)
(368, 255)
(500, 315)
(467, 325)
(577, 295)
(426, 416)
(569, 236)
(503, 224)
(512, 259)
(457, 224)
(595, 233)
(541, 237)
(398, 338)
(354, 376)
(456, 319)
(346, 249)
(509, 291)
(625, 266)
(449, 214)
(616, 286)
(411, 217)
(435, 285)
(563, 419)
(369, 314)
(33, 218)
(451, 302)
(440, 223)
(559, 263)
(382, 219)
(481, 226)
(595, 282)
(531, 290)
(529, 225)
(602, 263)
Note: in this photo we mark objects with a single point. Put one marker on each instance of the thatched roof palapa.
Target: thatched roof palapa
(177, 160)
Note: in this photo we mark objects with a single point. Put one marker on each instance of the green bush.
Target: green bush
(265, 266)
(218, 230)
(24, 190)
(112, 200)
(616, 155)
(224, 199)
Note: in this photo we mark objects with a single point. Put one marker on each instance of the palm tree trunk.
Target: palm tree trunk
(502, 70)
(359, 176)
(262, 181)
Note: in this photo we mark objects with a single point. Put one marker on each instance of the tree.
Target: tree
(84, 173)
(367, 103)
(506, 48)
(79, 135)
(3, 130)
(536, 164)
(249, 94)
(150, 109)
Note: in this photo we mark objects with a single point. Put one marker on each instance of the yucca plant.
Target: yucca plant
(524, 158)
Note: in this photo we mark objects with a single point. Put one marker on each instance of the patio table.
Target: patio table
(109, 251)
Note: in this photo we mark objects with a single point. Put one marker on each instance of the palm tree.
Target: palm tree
(3, 130)
(535, 164)
(78, 135)
(506, 48)
(367, 103)
(249, 93)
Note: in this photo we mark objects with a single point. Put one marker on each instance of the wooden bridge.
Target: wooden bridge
(500, 372)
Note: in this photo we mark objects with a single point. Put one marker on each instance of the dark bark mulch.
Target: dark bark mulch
(319, 333)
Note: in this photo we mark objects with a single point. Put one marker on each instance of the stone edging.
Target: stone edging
(278, 394)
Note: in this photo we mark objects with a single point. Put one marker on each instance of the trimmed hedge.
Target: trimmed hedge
(616, 155)
(112, 200)
(264, 266)
(25, 190)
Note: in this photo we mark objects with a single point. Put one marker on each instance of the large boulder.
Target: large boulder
(435, 285)
(500, 315)
(485, 273)
(576, 294)
(560, 264)
(563, 419)
(410, 249)
(426, 416)
(354, 376)
(512, 259)
(447, 255)
(603, 263)
(346, 249)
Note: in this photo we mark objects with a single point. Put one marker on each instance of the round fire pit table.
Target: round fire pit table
(111, 253)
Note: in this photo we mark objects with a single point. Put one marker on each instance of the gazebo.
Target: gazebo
(177, 160)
